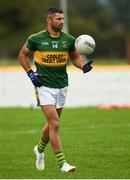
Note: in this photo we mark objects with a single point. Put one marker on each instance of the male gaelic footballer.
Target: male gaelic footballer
(51, 49)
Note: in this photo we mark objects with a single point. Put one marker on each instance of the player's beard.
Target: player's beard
(57, 28)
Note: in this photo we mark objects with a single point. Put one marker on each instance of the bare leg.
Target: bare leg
(51, 132)
(59, 111)
(45, 133)
(52, 116)
(45, 130)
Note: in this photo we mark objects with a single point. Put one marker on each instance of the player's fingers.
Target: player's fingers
(91, 68)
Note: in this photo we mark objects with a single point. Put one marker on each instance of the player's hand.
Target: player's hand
(87, 67)
(35, 78)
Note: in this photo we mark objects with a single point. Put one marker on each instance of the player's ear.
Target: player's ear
(49, 19)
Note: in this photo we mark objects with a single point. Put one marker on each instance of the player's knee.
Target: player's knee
(54, 124)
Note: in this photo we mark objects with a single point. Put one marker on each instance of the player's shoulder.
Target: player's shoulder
(37, 35)
(67, 35)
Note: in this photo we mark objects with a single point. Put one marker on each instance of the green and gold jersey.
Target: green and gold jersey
(51, 57)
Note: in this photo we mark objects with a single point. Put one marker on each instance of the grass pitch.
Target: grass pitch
(96, 141)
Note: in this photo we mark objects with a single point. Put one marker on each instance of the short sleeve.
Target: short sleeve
(31, 44)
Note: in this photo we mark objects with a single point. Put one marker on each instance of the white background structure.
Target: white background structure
(96, 88)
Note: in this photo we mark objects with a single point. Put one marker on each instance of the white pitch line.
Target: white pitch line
(33, 131)
(108, 126)
(19, 132)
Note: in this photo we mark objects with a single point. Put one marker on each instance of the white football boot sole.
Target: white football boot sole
(67, 168)
(40, 165)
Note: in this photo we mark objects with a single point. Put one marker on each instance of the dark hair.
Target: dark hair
(53, 10)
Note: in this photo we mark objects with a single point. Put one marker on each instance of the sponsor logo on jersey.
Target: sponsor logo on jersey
(45, 43)
(51, 58)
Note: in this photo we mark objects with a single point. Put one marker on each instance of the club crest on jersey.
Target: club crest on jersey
(64, 44)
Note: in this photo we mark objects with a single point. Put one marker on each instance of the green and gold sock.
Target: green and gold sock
(60, 158)
(41, 146)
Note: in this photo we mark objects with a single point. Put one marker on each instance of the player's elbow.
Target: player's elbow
(21, 57)
(21, 54)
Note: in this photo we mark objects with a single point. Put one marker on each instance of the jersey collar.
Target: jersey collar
(48, 33)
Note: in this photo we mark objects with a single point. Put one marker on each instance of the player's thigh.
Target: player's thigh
(59, 111)
(52, 117)
(50, 112)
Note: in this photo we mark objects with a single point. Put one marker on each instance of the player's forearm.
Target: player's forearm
(79, 63)
(77, 60)
(24, 61)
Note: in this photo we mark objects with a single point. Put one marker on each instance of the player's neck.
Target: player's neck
(53, 33)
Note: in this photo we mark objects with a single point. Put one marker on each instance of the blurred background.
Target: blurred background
(108, 21)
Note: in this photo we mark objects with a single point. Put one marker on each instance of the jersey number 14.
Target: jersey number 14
(55, 45)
